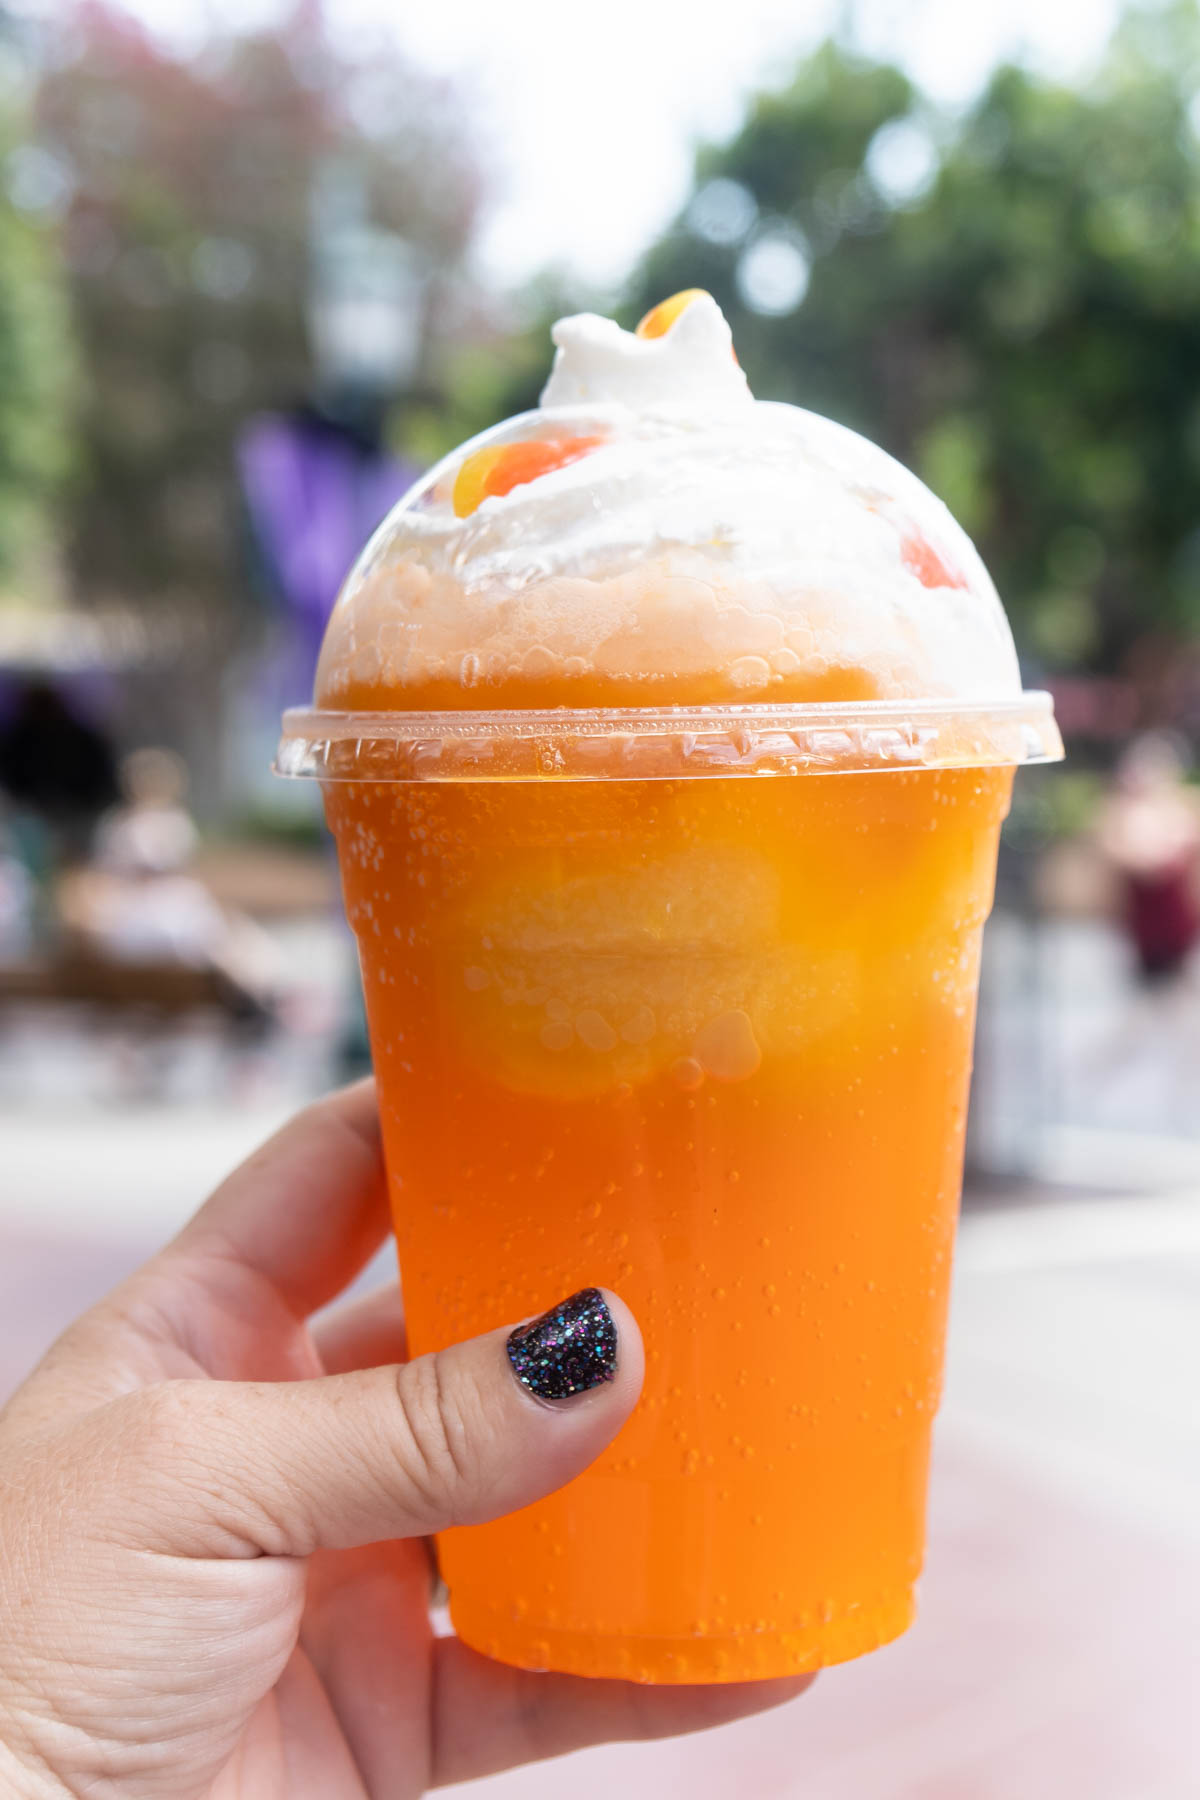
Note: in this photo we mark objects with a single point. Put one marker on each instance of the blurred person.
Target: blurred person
(139, 902)
(217, 1580)
(56, 767)
(152, 829)
(1142, 1069)
(1149, 832)
(16, 901)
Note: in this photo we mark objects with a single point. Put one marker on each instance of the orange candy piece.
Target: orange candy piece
(502, 467)
(659, 320)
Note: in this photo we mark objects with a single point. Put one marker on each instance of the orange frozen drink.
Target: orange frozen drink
(666, 738)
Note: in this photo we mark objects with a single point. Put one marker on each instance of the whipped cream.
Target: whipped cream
(690, 369)
(754, 548)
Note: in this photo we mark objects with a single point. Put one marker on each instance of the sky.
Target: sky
(589, 113)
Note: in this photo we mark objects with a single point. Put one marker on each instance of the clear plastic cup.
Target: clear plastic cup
(681, 1002)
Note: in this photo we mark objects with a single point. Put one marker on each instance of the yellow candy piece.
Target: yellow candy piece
(659, 320)
(471, 482)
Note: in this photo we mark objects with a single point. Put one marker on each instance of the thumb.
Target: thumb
(463, 1435)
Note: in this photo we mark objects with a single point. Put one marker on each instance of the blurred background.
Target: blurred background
(259, 266)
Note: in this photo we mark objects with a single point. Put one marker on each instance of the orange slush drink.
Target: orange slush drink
(670, 938)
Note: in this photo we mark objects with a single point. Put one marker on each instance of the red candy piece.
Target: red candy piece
(924, 562)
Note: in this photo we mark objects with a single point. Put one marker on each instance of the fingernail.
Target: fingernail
(570, 1349)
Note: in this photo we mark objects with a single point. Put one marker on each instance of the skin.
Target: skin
(214, 1515)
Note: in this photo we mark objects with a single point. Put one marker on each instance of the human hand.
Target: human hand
(214, 1581)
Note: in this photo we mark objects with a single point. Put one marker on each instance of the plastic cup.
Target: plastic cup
(682, 1003)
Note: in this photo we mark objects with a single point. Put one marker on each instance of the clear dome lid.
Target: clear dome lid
(654, 536)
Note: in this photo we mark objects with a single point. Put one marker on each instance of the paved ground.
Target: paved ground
(1081, 1074)
(1056, 1651)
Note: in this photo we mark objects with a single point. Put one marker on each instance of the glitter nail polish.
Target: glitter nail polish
(570, 1349)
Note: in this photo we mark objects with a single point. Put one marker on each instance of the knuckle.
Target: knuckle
(434, 1450)
(179, 1460)
(174, 1434)
(138, 1453)
(162, 1417)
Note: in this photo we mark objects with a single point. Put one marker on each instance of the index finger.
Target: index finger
(309, 1208)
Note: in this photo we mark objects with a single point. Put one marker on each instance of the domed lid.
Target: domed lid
(652, 535)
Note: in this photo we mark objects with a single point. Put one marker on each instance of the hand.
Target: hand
(213, 1575)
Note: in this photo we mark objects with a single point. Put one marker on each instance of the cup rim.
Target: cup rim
(303, 721)
(671, 742)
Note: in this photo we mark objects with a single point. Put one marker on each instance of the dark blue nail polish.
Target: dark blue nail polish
(570, 1349)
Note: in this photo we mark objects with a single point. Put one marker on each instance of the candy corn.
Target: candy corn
(659, 320)
(503, 467)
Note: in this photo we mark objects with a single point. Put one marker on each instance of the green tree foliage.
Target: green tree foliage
(188, 251)
(36, 367)
(1009, 300)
